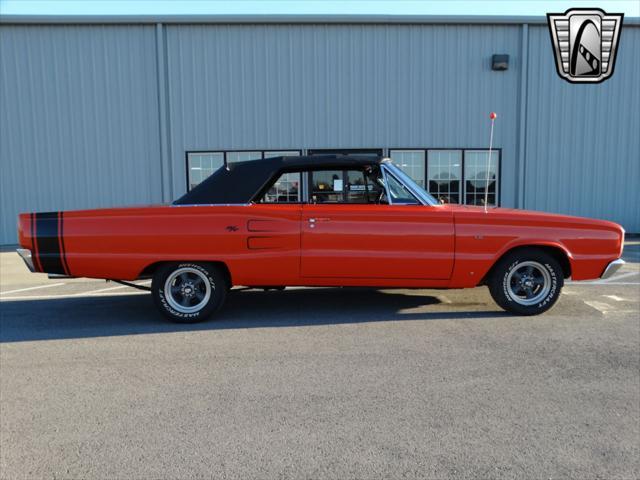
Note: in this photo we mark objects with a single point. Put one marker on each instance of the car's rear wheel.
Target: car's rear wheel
(188, 292)
(526, 282)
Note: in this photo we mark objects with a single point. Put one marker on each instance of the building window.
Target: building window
(285, 190)
(281, 153)
(243, 156)
(450, 175)
(444, 169)
(478, 171)
(445, 174)
(202, 164)
(412, 162)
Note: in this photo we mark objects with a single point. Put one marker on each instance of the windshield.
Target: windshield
(413, 186)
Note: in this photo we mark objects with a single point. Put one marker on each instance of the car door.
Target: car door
(271, 235)
(346, 237)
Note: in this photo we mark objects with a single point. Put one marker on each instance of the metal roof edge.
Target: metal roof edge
(249, 19)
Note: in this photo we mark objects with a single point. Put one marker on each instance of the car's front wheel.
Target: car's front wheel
(526, 282)
(188, 292)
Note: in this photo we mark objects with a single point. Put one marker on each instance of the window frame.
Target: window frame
(305, 180)
(496, 150)
(244, 150)
(461, 180)
(424, 151)
(301, 190)
(297, 151)
(188, 166)
(463, 190)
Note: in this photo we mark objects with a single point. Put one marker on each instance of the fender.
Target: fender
(522, 242)
(471, 271)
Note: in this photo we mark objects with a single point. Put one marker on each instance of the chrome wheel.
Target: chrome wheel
(528, 283)
(187, 290)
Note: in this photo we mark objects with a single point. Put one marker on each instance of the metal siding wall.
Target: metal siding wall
(315, 86)
(79, 124)
(583, 141)
(79, 119)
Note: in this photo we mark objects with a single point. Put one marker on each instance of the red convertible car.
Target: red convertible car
(320, 221)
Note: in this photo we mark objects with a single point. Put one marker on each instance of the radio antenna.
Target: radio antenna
(493, 117)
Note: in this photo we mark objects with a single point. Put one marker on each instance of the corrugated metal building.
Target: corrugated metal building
(134, 110)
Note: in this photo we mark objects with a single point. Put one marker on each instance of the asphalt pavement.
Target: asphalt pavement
(318, 383)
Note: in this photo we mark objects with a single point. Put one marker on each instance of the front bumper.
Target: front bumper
(612, 268)
(26, 256)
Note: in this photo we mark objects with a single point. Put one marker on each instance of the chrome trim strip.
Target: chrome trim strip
(386, 184)
(25, 254)
(612, 268)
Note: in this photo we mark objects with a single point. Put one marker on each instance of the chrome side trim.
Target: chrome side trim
(612, 268)
(386, 184)
(25, 254)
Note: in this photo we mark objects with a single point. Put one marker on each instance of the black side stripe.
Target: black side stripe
(64, 254)
(47, 234)
(36, 262)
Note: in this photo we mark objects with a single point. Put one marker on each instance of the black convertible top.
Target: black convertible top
(241, 182)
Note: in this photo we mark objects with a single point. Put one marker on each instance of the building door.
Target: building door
(345, 151)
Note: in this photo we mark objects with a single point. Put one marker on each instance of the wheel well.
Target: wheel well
(557, 253)
(149, 270)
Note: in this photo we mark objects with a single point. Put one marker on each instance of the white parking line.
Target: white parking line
(99, 290)
(615, 297)
(73, 295)
(32, 288)
(91, 293)
(108, 289)
(600, 306)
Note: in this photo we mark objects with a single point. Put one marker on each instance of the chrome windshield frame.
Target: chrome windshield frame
(389, 168)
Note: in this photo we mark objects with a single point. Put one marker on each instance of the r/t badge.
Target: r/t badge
(585, 42)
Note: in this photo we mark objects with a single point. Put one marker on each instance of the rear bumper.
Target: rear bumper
(612, 268)
(25, 254)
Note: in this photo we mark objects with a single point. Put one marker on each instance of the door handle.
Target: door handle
(313, 221)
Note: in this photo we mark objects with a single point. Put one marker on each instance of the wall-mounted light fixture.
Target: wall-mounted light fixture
(500, 62)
